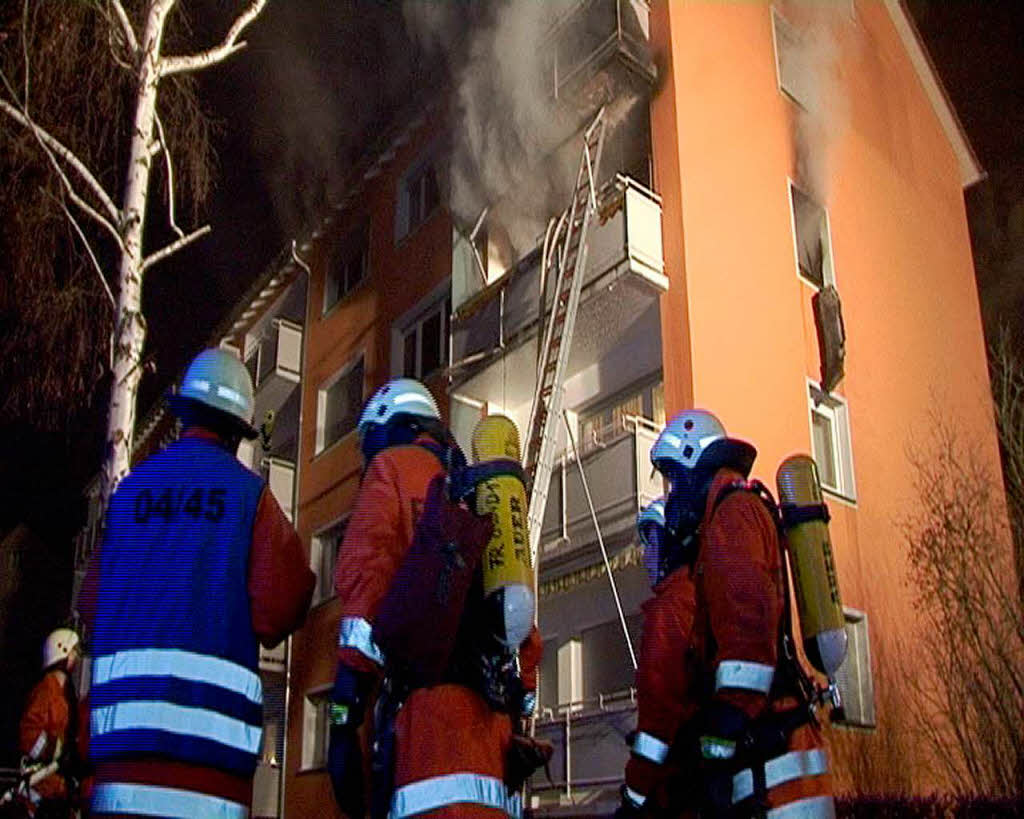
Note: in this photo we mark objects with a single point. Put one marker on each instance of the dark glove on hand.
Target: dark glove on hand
(628, 809)
(345, 754)
(721, 738)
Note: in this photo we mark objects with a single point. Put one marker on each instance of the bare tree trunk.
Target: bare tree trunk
(131, 326)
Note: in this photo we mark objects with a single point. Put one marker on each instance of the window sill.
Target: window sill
(330, 311)
(334, 444)
(846, 500)
(308, 771)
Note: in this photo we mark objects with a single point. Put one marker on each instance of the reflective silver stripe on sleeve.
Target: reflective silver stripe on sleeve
(650, 747)
(815, 807)
(452, 789)
(151, 800)
(357, 633)
(39, 747)
(739, 674)
(785, 768)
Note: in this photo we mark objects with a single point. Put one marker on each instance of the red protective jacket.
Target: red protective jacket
(712, 631)
(450, 745)
(280, 585)
(46, 722)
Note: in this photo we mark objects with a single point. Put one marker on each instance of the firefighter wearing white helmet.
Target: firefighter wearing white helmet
(197, 569)
(721, 596)
(49, 730)
(446, 745)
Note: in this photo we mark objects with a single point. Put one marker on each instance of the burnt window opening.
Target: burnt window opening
(813, 247)
(347, 267)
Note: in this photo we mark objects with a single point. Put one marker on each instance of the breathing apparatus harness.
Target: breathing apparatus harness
(767, 737)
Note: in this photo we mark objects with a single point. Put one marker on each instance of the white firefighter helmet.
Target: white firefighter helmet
(59, 645)
(650, 528)
(401, 396)
(219, 380)
(685, 438)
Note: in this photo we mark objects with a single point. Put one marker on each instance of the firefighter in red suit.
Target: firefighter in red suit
(722, 730)
(198, 567)
(50, 730)
(451, 745)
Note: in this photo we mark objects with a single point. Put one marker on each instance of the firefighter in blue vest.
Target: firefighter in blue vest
(198, 567)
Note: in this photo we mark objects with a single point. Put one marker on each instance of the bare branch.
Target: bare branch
(24, 49)
(170, 178)
(126, 27)
(52, 146)
(88, 248)
(172, 248)
(230, 44)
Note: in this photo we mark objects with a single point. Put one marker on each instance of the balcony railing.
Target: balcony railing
(280, 477)
(624, 269)
(589, 736)
(600, 51)
(618, 472)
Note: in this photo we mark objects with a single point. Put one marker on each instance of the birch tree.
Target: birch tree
(108, 212)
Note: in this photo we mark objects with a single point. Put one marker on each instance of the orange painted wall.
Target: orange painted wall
(902, 264)
(399, 276)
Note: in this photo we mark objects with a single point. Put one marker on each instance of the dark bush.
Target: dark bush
(927, 807)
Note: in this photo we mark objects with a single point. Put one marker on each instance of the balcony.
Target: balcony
(274, 360)
(623, 278)
(590, 755)
(600, 52)
(616, 463)
(273, 659)
(280, 477)
(266, 788)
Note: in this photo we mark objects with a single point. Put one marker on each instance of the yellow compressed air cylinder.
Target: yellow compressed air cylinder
(815, 584)
(507, 574)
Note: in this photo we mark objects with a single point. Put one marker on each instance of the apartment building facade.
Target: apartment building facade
(781, 239)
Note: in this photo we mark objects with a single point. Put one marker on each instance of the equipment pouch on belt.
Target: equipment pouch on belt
(418, 619)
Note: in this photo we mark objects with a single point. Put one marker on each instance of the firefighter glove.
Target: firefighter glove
(721, 738)
(628, 808)
(345, 754)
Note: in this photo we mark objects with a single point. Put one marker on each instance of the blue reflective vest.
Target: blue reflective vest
(175, 661)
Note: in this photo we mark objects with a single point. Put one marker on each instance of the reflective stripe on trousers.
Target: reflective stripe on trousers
(357, 633)
(814, 807)
(151, 800)
(450, 789)
(785, 768)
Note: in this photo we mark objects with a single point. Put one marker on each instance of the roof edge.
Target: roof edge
(971, 171)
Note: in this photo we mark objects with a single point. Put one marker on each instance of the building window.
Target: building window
(607, 667)
(338, 404)
(419, 197)
(347, 267)
(790, 60)
(612, 419)
(323, 557)
(424, 343)
(812, 240)
(315, 734)
(856, 686)
(830, 442)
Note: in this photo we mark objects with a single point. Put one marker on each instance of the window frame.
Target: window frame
(836, 409)
(437, 303)
(856, 624)
(315, 545)
(357, 238)
(828, 265)
(429, 161)
(320, 443)
(316, 697)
